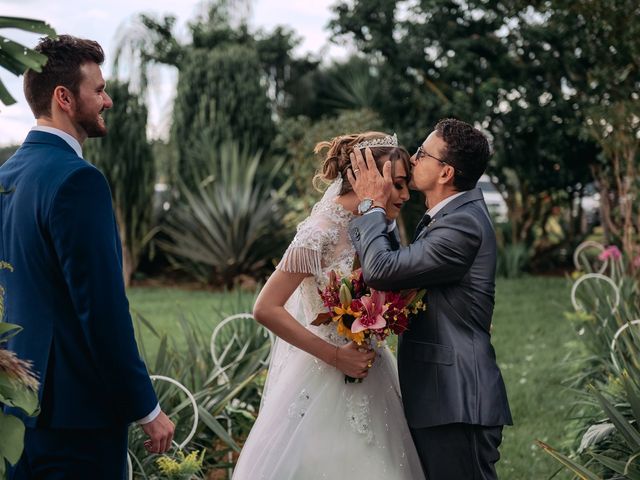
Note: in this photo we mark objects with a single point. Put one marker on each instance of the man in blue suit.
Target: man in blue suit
(59, 233)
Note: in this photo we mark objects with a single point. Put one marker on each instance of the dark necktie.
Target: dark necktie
(423, 223)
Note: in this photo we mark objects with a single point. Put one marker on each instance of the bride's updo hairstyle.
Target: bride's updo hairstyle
(336, 162)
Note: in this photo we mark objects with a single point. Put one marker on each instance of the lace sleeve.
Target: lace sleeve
(304, 254)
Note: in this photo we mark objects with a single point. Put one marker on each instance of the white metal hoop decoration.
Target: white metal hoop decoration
(216, 331)
(615, 338)
(585, 245)
(129, 467)
(195, 419)
(193, 404)
(598, 276)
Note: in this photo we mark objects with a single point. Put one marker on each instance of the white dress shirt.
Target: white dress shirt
(432, 211)
(441, 204)
(73, 143)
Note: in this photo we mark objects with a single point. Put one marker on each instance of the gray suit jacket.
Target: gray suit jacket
(447, 365)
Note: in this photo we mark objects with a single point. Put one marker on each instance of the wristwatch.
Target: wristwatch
(365, 205)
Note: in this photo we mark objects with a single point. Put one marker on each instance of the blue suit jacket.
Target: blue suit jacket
(67, 291)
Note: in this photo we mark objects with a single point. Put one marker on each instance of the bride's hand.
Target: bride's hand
(354, 360)
(322, 319)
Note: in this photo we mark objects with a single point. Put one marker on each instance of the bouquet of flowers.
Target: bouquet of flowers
(361, 313)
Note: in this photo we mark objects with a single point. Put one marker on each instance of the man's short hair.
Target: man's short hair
(65, 54)
(467, 151)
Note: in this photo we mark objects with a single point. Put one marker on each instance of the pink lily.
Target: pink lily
(374, 309)
(612, 252)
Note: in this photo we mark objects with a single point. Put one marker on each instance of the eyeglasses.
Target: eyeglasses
(420, 154)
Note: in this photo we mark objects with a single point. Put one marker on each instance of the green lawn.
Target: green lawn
(163, 307)
(530, 336)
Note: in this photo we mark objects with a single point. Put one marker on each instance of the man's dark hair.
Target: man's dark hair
(467, 151)
(65, 56)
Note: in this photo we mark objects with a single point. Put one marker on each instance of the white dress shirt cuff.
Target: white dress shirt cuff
(151, 417)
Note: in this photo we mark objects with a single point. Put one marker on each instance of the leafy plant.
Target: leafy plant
(609, 387)
(184, 468)
(229, 226)
(227, 391)
(512, 260)
(351, 86)
(18, 388)
(17, 58)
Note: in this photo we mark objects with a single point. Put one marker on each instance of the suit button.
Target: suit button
(356, 233)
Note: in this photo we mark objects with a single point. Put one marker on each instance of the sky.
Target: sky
(100, 21)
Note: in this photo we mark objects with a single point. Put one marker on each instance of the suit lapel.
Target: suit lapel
(467, 197)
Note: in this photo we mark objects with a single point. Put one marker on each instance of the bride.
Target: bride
(313, 425)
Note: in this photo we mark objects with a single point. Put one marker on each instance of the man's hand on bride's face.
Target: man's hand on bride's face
(354, 360)
(366, 180)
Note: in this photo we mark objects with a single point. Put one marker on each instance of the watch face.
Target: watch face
(365, 205)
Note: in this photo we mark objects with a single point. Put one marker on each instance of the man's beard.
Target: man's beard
(92, 125)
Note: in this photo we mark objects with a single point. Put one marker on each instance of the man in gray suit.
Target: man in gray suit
(453, 393)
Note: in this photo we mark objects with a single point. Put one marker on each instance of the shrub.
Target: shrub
(512, 260)
(227, 390)
(229, 226)
(18, 388)
(606, 315)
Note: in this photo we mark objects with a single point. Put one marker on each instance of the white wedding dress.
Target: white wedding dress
(311, 424)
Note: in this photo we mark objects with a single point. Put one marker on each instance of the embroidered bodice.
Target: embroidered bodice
(320, 245)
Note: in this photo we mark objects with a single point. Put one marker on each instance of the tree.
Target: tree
(284, 72)
(598, 44)
(220, 97)
(232, 82)
(17, 58)
(617, 129)
(125, 157)
(469, 60)
(145, 43)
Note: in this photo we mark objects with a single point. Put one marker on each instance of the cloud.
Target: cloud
(97, 14)
(100, 21)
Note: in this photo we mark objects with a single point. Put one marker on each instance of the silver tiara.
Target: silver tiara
(388, 141)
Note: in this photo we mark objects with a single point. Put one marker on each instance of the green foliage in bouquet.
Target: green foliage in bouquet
(18, 388)
(227, 388)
